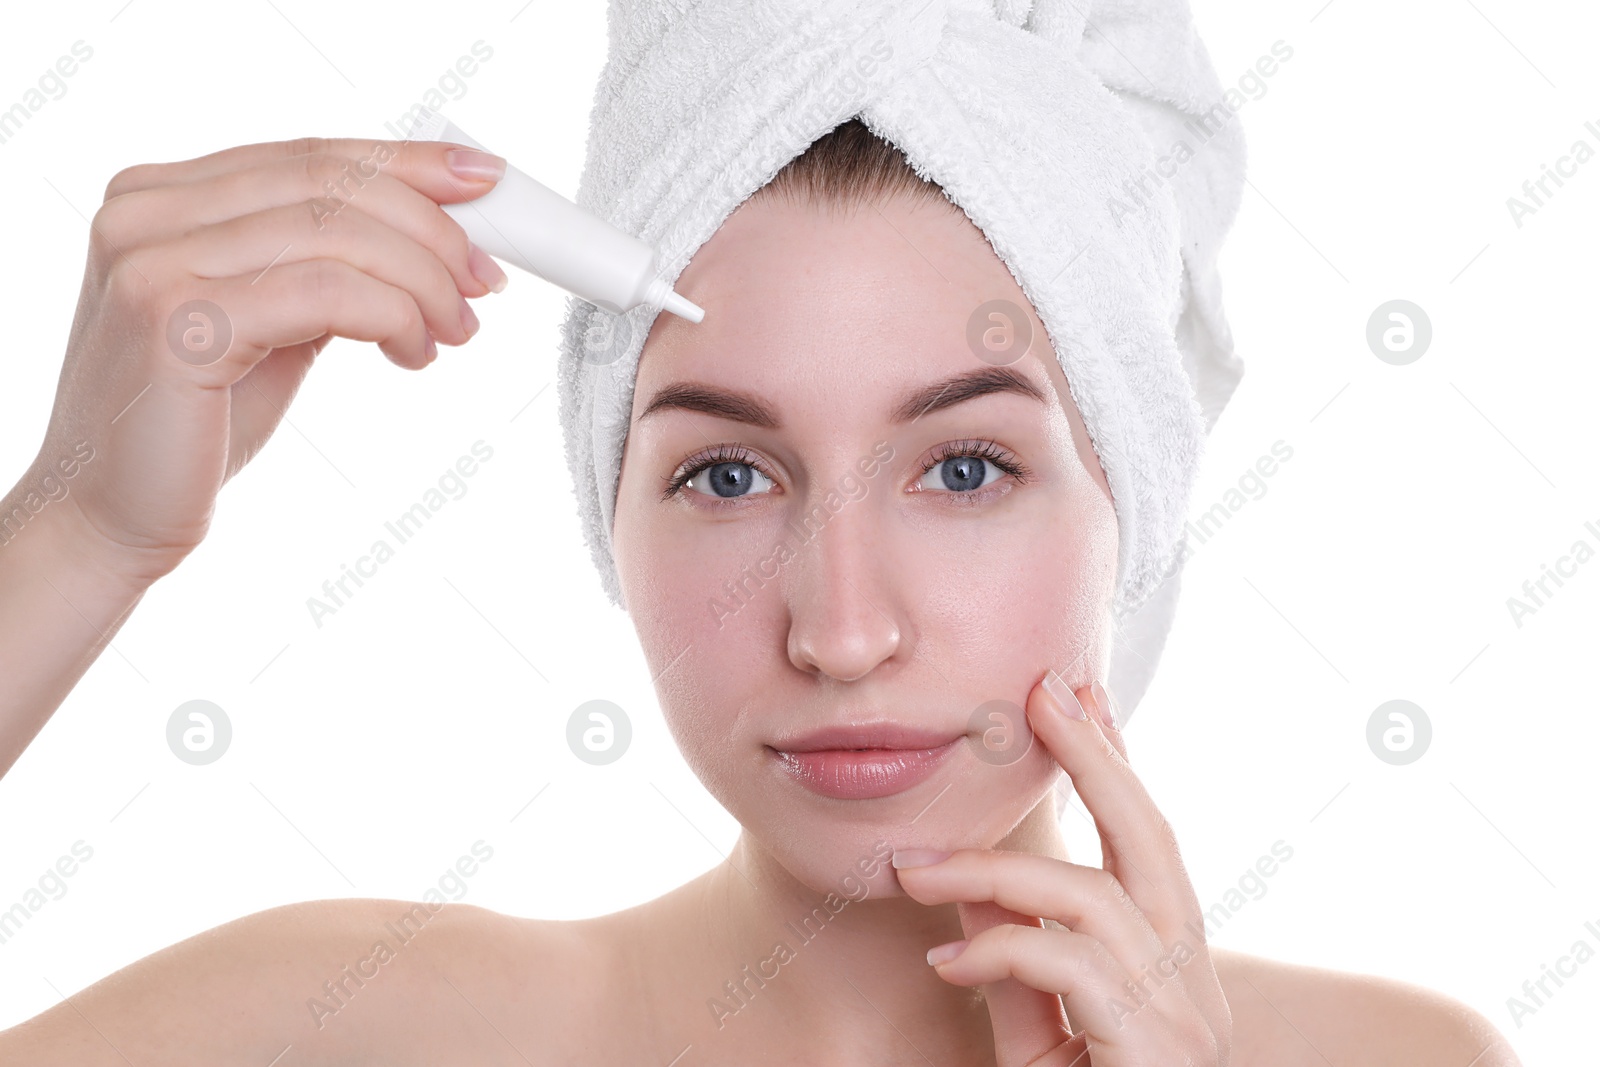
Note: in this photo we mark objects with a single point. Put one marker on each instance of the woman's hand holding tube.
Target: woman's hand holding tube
(1131, 964)
(211, 285)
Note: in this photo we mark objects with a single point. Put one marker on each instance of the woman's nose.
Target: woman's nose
(843, 610)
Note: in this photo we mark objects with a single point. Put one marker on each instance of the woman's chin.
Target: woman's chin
(845, 847)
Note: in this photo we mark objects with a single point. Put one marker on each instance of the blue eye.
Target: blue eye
(961, 474)
(960, 468)
(731, 472)
(728, 478)
(964, 467)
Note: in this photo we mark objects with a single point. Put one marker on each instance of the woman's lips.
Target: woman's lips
(860, 774)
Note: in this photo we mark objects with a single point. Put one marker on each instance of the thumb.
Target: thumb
(1027, 1022)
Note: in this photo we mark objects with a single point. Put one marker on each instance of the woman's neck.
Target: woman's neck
(833, 976)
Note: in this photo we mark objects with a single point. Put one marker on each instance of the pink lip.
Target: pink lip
(862, 762)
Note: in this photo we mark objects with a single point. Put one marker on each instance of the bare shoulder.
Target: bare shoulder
(335, 981)
(1288, 1014)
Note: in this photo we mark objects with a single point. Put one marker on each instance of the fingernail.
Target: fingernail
(485, 269)
(945, 953)
(1057, 687)
(478, 166)
(916, 857)
(431, 349)
(1102, 701)
(469, 320)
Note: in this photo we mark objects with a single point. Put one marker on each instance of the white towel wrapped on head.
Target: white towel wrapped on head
(1089, 141)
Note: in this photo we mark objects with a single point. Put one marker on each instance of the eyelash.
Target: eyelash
(982, 449)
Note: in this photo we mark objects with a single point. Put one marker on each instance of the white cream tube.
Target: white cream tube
(530, 225)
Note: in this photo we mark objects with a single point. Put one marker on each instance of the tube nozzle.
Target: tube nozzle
(682, 308)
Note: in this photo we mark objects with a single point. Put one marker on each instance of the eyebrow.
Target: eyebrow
(743, 407)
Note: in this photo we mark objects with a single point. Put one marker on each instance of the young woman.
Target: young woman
(900, 893)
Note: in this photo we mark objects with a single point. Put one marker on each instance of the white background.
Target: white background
(370, 753)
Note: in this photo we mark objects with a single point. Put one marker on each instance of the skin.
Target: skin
(240, 228)
(829, 319)
(914, 602)
(831, 324)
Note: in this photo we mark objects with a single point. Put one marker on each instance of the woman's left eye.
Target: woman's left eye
(964, 467)
(960, 474)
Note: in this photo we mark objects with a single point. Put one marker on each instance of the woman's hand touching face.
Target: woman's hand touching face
(1131, 965)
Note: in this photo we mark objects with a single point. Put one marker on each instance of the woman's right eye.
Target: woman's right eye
(731, 478)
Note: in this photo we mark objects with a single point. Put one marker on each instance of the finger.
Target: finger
(264, 242)
(1074, 966)
(299, 302)
(1139, 847)
(1027, 1022)
(261, 399)
(1087, 899)
(329, 185)
(420, 164)
(1109, 712)
(1097, 701)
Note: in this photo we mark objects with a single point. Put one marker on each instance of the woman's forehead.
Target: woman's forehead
(866, 302)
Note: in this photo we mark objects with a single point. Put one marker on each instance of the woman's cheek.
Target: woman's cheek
(711, 652)
(673, 573)
(1021, 606)
(1072, 578)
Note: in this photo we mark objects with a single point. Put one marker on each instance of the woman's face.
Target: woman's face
(836, 552)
